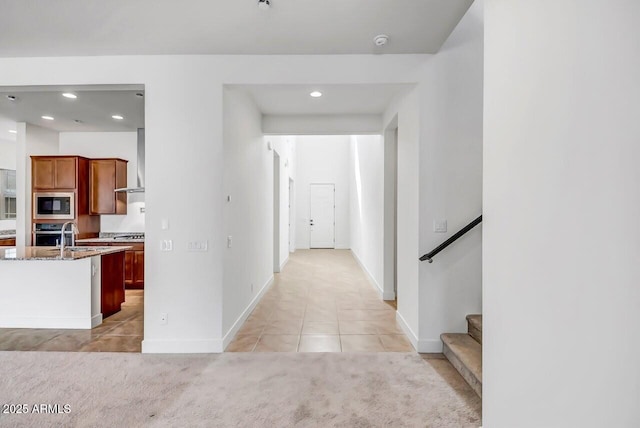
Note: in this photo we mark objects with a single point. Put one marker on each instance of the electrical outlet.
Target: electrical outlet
(164, 318)
(229, 241)
(440, 226)
(166, 245)
(142, 210)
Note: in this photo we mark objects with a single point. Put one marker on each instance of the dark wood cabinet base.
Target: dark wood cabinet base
(112, 275)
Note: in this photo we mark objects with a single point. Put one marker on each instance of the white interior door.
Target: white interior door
(322, 216)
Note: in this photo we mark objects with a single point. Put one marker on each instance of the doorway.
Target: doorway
(322, 221)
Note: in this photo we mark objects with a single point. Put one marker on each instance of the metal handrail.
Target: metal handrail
(429, 256)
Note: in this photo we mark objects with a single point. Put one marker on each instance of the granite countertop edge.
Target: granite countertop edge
(55, 253)
(109, 240)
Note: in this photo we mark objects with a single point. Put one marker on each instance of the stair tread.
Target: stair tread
(467, 350)
(475, 320)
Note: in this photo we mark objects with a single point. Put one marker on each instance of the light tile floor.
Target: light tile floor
(121, 332)
(321, 302)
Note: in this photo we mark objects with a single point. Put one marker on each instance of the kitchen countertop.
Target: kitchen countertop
(53, 253)
(7, 234)
(110, 240)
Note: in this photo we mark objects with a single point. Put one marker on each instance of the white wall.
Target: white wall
(366, 176)
(248, 216)
(121, 145)
(451, 181)
(406, 109)
(285, 147)
(184, 133)
(325, 124)
(31, 140)
(322, 159)
(7, 161)
(561, 204)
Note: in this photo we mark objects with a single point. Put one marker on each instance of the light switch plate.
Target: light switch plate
(440, 226)
(198, 246)
(166, 245)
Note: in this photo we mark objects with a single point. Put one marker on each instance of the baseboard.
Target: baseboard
(413, 338)
(388, 295)
(83, 323)
(284, 263)
(342, 247)
(430, 346)
(245, 314)
(150, 346)
(369, 276)
(96, 320)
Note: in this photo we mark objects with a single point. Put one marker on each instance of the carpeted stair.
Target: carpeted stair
(464, 351)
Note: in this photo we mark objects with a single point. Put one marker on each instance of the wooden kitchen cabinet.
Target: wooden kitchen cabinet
(106, 175)
(7, 242)
(133, 262)
(112, 283)
(134, 268)
(54, 172)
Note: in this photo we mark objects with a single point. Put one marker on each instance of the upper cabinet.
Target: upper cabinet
(106, 175)
(54, 172)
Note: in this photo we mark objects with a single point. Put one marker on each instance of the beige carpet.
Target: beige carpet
(237, 390)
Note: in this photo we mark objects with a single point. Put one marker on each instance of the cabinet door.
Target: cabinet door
(106, 175)
(102, 177)
(139, 269)
(42, 172)
(65, 173)
(129, 259)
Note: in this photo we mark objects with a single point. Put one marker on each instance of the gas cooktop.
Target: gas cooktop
(130, 236)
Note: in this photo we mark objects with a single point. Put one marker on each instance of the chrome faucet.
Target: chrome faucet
(73, 236)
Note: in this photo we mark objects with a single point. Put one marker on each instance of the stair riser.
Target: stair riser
(475, 384)
(474, 332)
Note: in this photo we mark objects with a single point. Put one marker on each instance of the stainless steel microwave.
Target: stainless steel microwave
(54, 206)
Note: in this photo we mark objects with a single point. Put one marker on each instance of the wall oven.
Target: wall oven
(54, 206)
(48, 235)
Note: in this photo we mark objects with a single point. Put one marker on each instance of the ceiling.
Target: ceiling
(93, 108)
(114, 27)
(335, 99)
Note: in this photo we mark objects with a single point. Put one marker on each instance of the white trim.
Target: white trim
(243, 317)
(284, 263)
(341, 247)
(84, 323)
(96, 320)
(370, 277)
(177, 346)
(413, 338)
(389, 295)
(430, 346)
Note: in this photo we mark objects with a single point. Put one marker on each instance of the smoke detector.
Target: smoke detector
(381, 39)
(264, 4)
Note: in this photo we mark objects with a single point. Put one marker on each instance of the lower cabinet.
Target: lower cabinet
(112, 283)
(7, 242)
(133, 262)
(134, 268)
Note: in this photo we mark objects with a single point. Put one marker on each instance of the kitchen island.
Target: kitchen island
(40, 289)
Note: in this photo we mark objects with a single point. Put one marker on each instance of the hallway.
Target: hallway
(322, 301)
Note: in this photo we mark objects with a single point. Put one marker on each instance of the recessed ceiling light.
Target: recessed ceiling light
(316, 94)
(77, 120)
(13, 131)
(264, 4)
(117, 117)
(12, 97)
(139, 94)
(70, 95)
(47, 117)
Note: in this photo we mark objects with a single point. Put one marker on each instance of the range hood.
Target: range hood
(140, 162)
